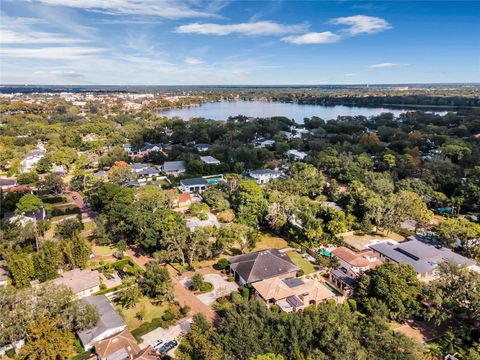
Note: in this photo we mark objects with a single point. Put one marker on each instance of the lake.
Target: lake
(223, 109)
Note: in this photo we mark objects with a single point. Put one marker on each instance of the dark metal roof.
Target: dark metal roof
(193, 182)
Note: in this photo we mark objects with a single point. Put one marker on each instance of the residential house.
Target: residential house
(148, 174)
(82, 282)
(6, 183)
(139, 167)
(24, 218)
(261, 265)
(147, 149)
(193, 185)
(355, 264)
(292, 294)
(174, 168)
(31, 159)
(425, 258)
(3, 275)
(263, 176)
(184, 200)
(264, 143)
(296, 155)
(109, 322)
(346, 283)
(209, 160)
(119, 346)
(202, 147)
(197, 185)
(100, 174)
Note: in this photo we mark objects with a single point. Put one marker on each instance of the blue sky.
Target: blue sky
(164, 42)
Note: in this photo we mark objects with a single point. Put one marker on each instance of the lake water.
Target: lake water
(223, 109)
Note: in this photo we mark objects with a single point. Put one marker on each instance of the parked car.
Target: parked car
(122, 274)
(110, 276)
(168, 346)
(157, 343)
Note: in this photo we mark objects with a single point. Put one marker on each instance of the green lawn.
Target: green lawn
(151, 311)
(269, 240)
(90, 225)
(103, 250)
(303, 264)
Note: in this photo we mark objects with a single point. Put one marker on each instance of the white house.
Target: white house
(209, 160)
(296, 155)
(263, 176)
(31, 159)
(174, 168)
(202, 147)
(264, 143)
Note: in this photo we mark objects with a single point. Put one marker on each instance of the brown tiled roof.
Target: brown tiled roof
(147, 354)
(121, 342)
(356, 259)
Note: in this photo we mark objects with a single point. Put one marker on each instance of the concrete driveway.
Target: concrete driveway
(172, 333)
(221, 287)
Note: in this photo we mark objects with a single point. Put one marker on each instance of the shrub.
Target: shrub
(300, 273)
(352, 304)
(184, 310)
(236, 298)
(167, 316)
(231, 278)
(197, 282)
(226, 216)
(222, 263)
(245, 293)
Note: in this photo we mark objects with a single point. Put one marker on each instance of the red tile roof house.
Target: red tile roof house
(352, 266)
(184, 200)
(261, 265)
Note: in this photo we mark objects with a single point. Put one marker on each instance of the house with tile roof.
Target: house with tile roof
(261, 265)
(292, 294)
(355, 263)
(119, 346)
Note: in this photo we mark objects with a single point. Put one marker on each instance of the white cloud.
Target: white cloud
(350, 74)
(326, 37)
(65, 74)
(20, 30)
(387, 65)
(362, 24)
(170, 9)
(52, 53)
(193, 61)
(252, 28)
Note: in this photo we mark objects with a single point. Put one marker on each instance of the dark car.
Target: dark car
(168, 346)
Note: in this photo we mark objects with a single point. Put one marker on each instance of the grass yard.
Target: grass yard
(151, 311)
(303, 264)
(102, 250)
(360, 241)
(269, 240)
(90, 225)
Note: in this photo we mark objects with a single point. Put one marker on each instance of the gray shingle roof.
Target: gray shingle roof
(108, 318)
(174, 166)
(262, 265)
(264, 172)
